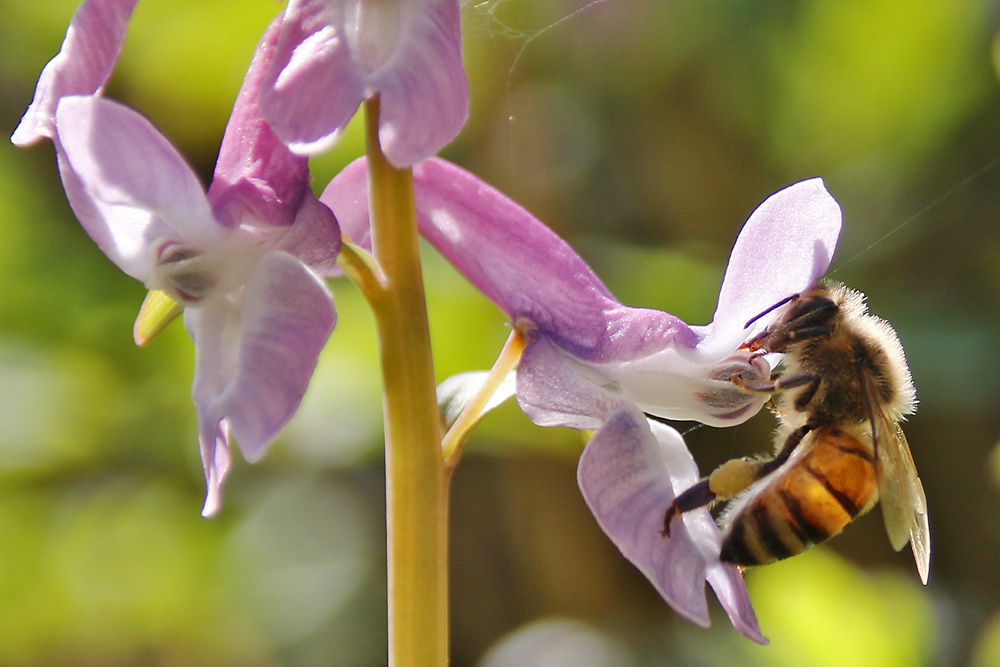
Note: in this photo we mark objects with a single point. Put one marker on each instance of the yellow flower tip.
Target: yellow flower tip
(156, 312)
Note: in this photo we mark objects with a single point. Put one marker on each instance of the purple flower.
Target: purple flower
(595, 363)
(334, 54)
(243, 259)
(590, 352)
(82, 66)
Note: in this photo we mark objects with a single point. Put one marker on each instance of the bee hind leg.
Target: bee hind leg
(791, 442)
(697, 496)
(725, 482)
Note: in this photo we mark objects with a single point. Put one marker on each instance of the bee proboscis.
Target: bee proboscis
(842, 392)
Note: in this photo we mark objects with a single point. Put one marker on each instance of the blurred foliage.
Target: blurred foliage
(644, 132)
(820, 611)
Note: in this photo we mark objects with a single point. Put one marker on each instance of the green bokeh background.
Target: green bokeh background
(644, 131)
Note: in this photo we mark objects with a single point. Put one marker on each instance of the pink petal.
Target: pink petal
(314, 85)
(135, 177)
(727, 583)
(214, 328)
(215, 458)
(331, 55)
(515, 260)
(124, 235)
(628, 475)
(552, 392)
(423, 89)
(82, 66)
(785, 246)
(287, 316)
(314, 237)
(347, 197)
(254, 355)
(256, 175)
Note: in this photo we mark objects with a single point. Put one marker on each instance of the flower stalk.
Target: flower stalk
(361, 270)
(416, 480)
(454, 440)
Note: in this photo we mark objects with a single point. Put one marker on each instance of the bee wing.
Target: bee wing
(904, 506)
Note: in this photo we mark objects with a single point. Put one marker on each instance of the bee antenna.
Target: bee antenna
(771, 309)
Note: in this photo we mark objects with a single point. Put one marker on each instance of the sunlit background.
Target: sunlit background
(644, 131)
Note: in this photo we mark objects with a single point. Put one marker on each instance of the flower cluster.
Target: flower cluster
(247, 259)
(244, 259)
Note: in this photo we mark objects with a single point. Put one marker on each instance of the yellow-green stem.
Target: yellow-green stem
(416, 482)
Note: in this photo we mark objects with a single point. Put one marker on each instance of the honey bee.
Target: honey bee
(844, 388)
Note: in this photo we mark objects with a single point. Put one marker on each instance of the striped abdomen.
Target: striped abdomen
(807, 502)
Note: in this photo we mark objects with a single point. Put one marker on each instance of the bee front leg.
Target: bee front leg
(810, 383)
(780, 383)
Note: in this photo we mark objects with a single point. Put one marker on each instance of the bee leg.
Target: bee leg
(697, 496)
(754, 387)
(725, 482)
(779, 383)
(810, 383)
(791, 442)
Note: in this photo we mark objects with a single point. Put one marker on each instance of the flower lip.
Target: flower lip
(733, 416)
